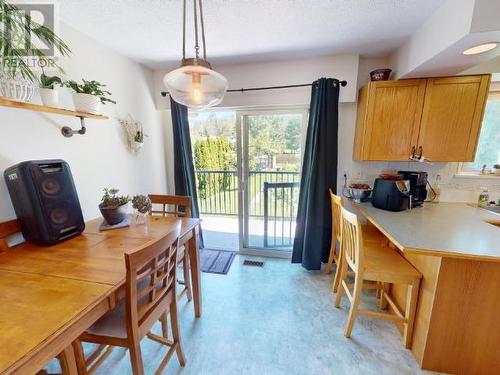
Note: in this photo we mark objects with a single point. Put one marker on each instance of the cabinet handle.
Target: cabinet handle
(413, 150)
(420, 152)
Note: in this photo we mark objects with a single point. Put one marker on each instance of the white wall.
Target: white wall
(278, 73)
(99, 158)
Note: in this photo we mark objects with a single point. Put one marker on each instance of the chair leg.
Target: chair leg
(68, 361)
(383, 291)
(80, 357)
(187, 276)
(164, 325)
(411, 308)
(136, 357)
(338, 277)
(331, 258)
(353, 311)
(342, 275)
(174, 321)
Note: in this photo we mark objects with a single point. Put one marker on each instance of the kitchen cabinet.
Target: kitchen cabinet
(437, 117)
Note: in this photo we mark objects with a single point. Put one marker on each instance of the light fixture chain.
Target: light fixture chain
(196, 45)
(203, 32)
(184, 30)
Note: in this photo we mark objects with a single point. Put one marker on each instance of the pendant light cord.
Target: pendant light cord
(196, 44)
(184, 30)
(203, 32)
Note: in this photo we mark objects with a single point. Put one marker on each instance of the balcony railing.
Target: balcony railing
(218, 192)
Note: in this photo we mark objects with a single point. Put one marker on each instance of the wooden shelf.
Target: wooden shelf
(4, 102)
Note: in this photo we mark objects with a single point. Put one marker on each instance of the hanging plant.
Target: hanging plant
(135, 133)
(15, 25)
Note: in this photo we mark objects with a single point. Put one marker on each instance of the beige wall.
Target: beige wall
(99, 158)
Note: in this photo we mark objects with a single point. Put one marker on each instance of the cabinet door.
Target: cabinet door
(452, 115)
(393, 119)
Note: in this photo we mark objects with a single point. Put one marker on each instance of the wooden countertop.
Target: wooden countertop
(455, 230)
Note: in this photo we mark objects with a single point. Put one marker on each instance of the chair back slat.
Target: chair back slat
(151, 275)
(176, 205)
(7, 229)
(337, 205)
(352, 240)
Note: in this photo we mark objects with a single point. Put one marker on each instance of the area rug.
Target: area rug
(216, 261)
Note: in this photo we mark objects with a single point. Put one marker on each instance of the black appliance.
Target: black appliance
(418, 186)
(391, 195)
(45, 200)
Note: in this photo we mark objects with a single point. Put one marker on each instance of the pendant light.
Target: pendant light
(195, 84)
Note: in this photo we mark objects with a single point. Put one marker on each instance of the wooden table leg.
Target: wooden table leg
(68, 361)
(194, 261)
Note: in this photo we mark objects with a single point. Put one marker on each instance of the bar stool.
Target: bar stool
(382, 265)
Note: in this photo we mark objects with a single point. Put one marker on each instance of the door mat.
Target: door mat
(216, 261)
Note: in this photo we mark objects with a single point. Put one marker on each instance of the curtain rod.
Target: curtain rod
(342, 83)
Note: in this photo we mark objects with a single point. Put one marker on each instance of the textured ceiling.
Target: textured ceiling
(149, 31)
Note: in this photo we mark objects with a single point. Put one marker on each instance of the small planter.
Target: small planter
(50, 97)
(18, 88)
(87, 103)
(114, 214)
(380, 74)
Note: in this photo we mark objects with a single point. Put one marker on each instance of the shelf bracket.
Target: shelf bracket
(68, 132)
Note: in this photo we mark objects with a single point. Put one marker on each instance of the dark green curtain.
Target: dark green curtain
(185, 182)
(319, 173)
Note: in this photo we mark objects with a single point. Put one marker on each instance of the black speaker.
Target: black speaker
(45, 200)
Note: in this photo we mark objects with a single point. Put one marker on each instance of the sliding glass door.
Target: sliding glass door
(271, 164)
(248, 175)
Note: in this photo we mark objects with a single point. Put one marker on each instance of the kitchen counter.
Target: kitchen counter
(454, 230)
(456, 248)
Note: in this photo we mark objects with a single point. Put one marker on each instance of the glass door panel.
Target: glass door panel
(272, 155)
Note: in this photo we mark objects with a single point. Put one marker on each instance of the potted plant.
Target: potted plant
(48, 93)
(113, 207)
(17, 74)
(89, 96)
(143, 206)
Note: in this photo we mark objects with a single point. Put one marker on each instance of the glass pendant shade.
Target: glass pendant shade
(196, 86)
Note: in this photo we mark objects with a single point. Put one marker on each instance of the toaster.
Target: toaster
(391, 195)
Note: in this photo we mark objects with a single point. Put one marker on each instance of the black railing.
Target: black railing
(280, 207)
(218, 190)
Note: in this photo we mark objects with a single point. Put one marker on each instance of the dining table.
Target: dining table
(49, 295)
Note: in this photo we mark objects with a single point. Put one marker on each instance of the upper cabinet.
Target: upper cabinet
(439, 117)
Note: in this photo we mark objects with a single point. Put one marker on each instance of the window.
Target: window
(488, 148)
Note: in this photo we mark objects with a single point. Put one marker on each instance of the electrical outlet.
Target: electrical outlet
(358, 175)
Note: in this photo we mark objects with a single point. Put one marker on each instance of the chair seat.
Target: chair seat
(387, 265)
(111, 324)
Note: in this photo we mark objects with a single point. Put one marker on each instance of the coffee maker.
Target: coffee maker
(418, 186)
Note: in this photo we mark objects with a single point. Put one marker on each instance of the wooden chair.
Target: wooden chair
(178, 206)
(379, 264)
(370, 233)
(150, 292)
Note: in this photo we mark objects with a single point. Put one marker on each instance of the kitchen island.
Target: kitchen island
(456, 247)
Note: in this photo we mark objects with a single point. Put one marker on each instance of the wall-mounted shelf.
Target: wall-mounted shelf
(66, 130)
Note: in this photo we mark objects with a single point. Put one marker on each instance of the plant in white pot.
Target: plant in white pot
(89, 96)
(48, 92)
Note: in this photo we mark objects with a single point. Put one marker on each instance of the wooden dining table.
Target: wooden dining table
(50, 294)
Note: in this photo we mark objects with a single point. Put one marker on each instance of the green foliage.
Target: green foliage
(13, 59)
(91, 88)
(139, 136)
(111, 199)
(47, 82)
(488, 149)
(215, 154)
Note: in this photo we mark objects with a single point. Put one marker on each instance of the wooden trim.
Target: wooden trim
(4, 102)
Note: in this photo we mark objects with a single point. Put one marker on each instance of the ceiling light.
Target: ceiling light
(480, 49)
(195, 84)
